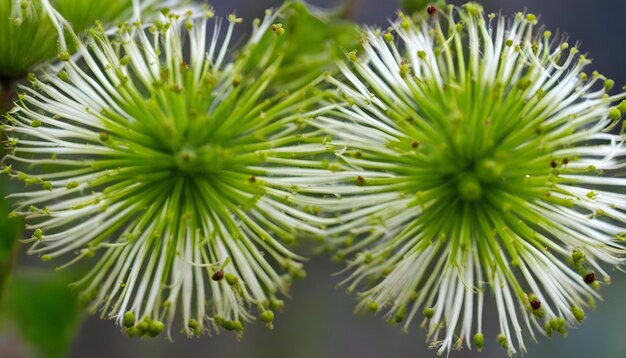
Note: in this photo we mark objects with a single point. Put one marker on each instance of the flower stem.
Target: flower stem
(7, 93)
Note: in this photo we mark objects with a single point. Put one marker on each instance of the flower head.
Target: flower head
(483, 165)
(173, 165)
(28, 37)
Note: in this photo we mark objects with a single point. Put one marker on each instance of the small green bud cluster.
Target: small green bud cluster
(229, 325)
(579, 262)
(194, 327)
(143, 328)
(556, 324)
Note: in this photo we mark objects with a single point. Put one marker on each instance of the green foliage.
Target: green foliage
(10, 229)
(44, 310)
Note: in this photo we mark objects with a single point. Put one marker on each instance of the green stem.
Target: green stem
(7, 93)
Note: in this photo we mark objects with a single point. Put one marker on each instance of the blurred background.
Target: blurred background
(317, 320)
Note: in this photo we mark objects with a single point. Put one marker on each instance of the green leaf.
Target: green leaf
(10, 230)
(44, 310)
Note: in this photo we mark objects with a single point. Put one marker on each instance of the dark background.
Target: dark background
(317, 320)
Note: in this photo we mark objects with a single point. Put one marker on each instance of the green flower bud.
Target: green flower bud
(578, 255)
(479, 340)
(399, 317)
(615, 114)
(141, 328)
(129, 319)
(194, 326)
(155, 328)
(276, 304)
(578, 313)
(267, 316)
(373, 306)
(38, 234)
(231, 279)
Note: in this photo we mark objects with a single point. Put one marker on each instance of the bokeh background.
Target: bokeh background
(317, 320)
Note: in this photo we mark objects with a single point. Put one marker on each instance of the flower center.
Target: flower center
(470, 187)
(478, 176)
(201, 160)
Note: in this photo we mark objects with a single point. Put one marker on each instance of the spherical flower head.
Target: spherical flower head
(484, 165)
(175, 167)
(28, 37)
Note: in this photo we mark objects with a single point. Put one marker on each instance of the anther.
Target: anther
(479, 341)
(429, 312)
(267, 316)
(535, 304)
(129, 319)
(231, 279)
(218, 275)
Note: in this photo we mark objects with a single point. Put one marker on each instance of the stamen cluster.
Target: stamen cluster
(484, 165)
(174, 167)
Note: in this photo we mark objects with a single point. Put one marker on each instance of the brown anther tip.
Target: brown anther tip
(415, 144)
(252, 179)
(535, 304)
(431, 9)
(360, 181)
(218, 275)
(590, 277)
(553, 164)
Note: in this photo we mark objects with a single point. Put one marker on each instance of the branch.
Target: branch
(352, 6)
